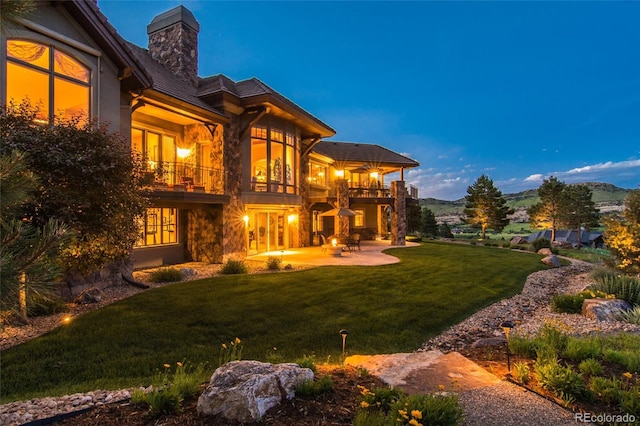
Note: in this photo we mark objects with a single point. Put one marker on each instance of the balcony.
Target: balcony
(381, 192)
(181, 177)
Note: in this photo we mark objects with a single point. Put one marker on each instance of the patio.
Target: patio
(369, 255)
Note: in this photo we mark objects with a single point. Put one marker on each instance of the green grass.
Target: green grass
(387, 309)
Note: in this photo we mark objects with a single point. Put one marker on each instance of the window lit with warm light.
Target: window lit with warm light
(358, 220)
(317, 174)
(51, 80)
(158, 227)
(275, 159)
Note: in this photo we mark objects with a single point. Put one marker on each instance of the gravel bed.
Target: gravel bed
(529, 310)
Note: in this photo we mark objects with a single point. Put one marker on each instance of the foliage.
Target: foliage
(622, 234)
(88, 179)
(444, 231)
(562, 380)
(311, 388)
(520, 345)
(577, 209)
(230, 352)
(307, 362)
(274, 263)
(432, 410)
(485, 206)
(572, 303)
(607, 389)
(632, 316)
(521, 372)
(429, 225)
(590, 366)
(546, 213)
(540, 243)
(169, 389)
(166, 275)
(29, 265)
(379, 398)
(622, 286)
(232, 267)
(414, 216)
(580, 349)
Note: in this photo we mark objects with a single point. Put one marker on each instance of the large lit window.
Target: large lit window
(158, 227)
(317, 174)
(51, 80)
(358, 220)
(158, 150)
(275, 158)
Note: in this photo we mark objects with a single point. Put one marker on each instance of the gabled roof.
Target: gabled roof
(164, 81)
(88, 15)
(253, 92)
(373, 155)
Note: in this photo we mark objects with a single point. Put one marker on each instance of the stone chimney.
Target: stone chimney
(173, 42)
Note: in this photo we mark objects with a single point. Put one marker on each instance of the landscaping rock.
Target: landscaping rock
(552, 260)
(519, 241)
(545, 251)
(605, 309)
(188, 272)
(243, 391)
(92, 295)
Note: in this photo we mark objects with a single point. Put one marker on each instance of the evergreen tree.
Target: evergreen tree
(577, 209)
(29, 263)
(622, 234)
(413, 216)
(429, 223)
(546, 213)
(485, 206)
(445, 231)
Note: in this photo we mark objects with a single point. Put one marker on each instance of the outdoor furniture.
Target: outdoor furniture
(353, 242)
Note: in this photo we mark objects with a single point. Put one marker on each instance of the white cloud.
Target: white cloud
(534, 178)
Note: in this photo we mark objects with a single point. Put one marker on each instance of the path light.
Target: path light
(506, 327)
(344, 333)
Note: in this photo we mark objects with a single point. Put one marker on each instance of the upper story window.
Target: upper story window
(56, 83)
(317, 174)
(275, 160)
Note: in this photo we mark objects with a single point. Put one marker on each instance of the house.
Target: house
(236, 165)
(571, 238)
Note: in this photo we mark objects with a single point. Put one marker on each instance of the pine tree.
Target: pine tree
(485, 206)
(546, 213)
(429, 223)
(577, 209)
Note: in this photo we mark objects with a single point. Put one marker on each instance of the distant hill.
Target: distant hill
(607, 197)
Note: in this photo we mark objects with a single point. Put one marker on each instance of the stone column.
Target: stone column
(234, 238)
(382, 221)
(342, 193)
(399, 213)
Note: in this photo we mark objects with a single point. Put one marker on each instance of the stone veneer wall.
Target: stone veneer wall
(176, 47)
(382, 221)
(399, 213)
(204, 234)
(342, 193)
(234, 240)
(304, 215)
(110, 275)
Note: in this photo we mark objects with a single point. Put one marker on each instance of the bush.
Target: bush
(622, 286)
(606, 389)
(436, 410)
(307, 362)
(567, 303)
(42, 305)
(311, 388)
(591, 367)
(274, 263)
(632, 315)
(563, 381)
(160, 401)
(521, 372)
(165, 275)
(583, 348)
(232, 267)
(522, 346)
(379, 398)
(540, 243)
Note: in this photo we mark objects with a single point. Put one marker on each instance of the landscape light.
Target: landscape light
(344, 333)
(506, 327)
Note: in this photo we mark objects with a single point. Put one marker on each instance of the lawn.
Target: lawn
(391, 308)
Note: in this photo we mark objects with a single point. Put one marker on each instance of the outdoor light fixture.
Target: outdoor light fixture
(344, 333)
(66, 319)
(340, 173)
(246, 219)
(506, 327)
(183, 152)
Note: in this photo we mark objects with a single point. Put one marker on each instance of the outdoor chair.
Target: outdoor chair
(354, 241)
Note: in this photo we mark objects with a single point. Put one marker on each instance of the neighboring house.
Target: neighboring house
(235, 163)
(587, 239)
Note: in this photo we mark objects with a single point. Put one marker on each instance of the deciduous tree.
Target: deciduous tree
(622, 234)
(485, 206)
(577, 209)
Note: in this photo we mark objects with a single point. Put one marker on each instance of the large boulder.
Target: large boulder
(605, 309)
(545, 251)
(519, 240)
(242, 391)
(551, 260)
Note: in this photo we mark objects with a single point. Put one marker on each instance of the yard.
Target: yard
(286, 315)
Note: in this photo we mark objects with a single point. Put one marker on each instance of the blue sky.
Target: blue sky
(518, 91)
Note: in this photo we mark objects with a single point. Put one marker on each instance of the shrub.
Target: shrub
(307, 362)
(521, 372)
(42, 305)
(234, 267)
(606, 389)
(632, 315)
(540, 243)
(161, 401)
(311, 388)
(519, 345)
(370, 418)
(591, 367)
(165, 275)
(630, 401)
(274, 263)
(563, 381)
(567, 303)
(581, 349)
(437, 410)
(549, 335)
(623, 286)
(379, 398)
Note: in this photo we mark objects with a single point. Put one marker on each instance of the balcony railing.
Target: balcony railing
(179, 176)
(382, 192)
(413, 192)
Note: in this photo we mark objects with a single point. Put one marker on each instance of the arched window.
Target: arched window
(51, 80)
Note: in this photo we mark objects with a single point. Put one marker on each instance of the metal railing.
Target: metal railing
(382, 192)
(179, 176)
